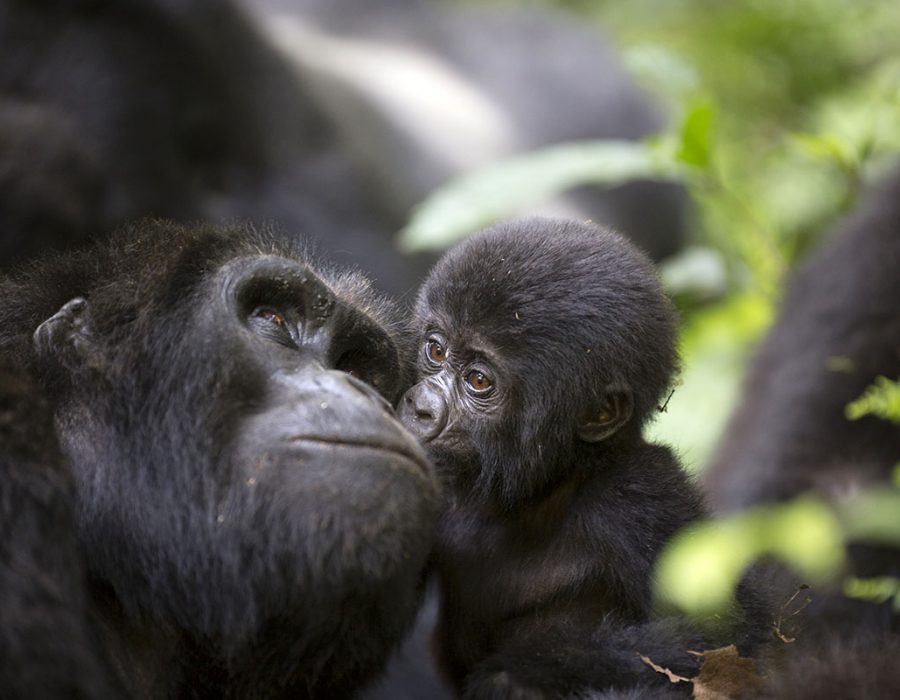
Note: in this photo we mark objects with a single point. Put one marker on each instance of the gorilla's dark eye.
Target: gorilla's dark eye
(271, 324)
(479, 381)
(435, 352)
(271, 315)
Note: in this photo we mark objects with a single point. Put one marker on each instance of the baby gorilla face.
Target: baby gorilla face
(463, 401)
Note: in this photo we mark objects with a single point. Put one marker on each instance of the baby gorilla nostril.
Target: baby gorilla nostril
(422, 412)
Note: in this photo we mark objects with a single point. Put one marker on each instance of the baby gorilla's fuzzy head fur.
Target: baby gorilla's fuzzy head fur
(567, 312)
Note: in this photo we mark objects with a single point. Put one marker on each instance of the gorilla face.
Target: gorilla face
(240, 473)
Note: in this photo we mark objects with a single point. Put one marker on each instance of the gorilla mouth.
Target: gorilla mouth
(394, 449)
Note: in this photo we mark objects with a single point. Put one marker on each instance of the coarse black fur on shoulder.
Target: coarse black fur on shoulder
(48, 648)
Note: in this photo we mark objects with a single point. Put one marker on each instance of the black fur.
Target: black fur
(555, 506)
(251, 524)
(48, 648)
(838, 329)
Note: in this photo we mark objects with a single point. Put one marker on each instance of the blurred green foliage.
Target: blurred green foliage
(780, 112)
(698, 572)
(874, 590)
(701, 567)
(478, 199)
(881, 399)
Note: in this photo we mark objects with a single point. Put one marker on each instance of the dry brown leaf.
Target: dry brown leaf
(724, 674)
(673, 677)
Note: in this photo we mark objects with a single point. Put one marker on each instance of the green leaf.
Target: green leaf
(696, 135)
(874, 590)
(714, 346)
(828, 147)
(481, 198)
(881, 399)
(702, 565)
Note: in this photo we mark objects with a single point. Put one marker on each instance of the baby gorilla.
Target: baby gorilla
(545, 346)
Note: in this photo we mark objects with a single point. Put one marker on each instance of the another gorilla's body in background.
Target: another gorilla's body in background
(188, 111)
(838, 329)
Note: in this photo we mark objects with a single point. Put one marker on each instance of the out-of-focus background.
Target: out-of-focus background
(779, 113)
(727, 139)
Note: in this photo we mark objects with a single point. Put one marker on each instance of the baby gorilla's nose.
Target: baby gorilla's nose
(423, 411)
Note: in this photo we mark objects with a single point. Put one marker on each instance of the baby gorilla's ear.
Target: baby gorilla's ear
(605, 417)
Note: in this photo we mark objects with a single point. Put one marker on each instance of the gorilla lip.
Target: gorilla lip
(395, 449)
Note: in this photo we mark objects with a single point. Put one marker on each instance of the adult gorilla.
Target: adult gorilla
(251, 517)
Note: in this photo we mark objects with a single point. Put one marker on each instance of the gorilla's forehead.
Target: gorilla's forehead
(284, 273)
(559, 268)
(517, 313)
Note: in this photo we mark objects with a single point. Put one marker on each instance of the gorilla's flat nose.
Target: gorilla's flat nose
(423, 411)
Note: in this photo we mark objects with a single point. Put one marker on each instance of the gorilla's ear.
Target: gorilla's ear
(611, 413)
(64, 338)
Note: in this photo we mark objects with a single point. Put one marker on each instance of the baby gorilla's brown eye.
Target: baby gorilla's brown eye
(436, 352)
(270, 315)
(479, 381)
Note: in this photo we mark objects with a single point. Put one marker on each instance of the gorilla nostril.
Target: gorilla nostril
(424, 413)
(423, 405)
